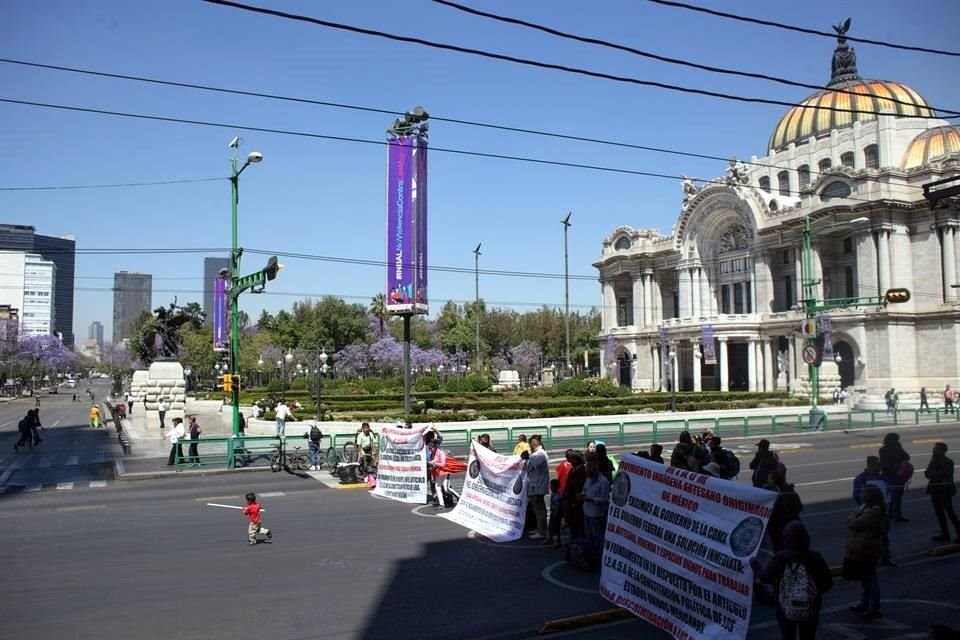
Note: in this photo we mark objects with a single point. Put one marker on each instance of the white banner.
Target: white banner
(678, 548)
(494, 498)
(402, 470)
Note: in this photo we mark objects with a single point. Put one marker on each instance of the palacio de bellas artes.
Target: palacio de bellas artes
(844, 202)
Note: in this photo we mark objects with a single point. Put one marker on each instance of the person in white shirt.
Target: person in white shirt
(176, 435)
(129, 399)
(283, 414)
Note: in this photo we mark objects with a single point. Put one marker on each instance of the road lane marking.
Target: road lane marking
(86, 507)
(98, 484)
(810, 484)
(875, 445)
(64, 486)
(32, 488)
(229, 497)
(272, 494)
(73, 460)
(927, 441)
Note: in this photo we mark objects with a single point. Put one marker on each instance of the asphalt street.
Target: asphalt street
(150, 559)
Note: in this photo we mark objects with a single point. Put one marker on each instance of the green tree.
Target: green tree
(378, 309)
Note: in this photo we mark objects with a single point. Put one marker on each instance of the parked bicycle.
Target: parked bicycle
(295, 461)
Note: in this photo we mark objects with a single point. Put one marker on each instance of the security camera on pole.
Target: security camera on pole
(407, 226)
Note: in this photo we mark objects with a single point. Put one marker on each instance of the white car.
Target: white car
(71, 384)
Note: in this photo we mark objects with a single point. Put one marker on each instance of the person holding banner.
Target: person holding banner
(572, 506)
(538, 484)
(438, 473)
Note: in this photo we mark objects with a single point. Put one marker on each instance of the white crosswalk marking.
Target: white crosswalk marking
(98, 484)
(32, 487)
(62, 486)
(73, 460)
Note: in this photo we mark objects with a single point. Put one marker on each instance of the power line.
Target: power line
(395, 112)
(463, 152)
(789, 27)
(667, 59)
(112, 186)
(524, 61)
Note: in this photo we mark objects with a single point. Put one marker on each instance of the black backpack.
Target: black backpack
(315, 434)
(731, 464)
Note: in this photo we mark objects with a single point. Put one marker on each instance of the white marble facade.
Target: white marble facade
(733, 259)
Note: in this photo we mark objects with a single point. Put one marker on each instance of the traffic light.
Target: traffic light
(894, 296)
(272, 268)
(227, 382)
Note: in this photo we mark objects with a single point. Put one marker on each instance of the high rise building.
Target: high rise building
(96, 332)
(132, 295)
(9, 324)
(211, 271)
(59, 250)
(29, 286)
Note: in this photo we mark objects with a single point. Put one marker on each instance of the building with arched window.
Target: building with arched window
(852, 159)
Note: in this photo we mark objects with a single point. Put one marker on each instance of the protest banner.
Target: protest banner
(678, 547)
(494, 498)
(402, 471)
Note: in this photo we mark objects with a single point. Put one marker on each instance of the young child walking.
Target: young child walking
(256, 525)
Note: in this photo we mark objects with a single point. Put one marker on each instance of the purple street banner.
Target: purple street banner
(709, 349)
(220, 315)
(403, 233)
(420, 225)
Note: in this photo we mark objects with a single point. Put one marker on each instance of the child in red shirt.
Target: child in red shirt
(256, 526)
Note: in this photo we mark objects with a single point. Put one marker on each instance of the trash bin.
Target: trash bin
(817, 419)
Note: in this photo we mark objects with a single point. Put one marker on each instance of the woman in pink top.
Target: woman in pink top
(441, 478)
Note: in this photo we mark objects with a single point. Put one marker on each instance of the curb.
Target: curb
(121, 474)
(576, 622)
(356, 485)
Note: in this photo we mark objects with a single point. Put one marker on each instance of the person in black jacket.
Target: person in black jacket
(762, 464)
(796, 552)
(941, 490)
(786, 509)
(892, 456)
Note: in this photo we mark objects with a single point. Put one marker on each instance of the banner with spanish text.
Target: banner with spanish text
(494, 498)
(678, 548)
(220, 315)
(709, 348)
(402, 470)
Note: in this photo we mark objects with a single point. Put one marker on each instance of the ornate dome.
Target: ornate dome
(932, 144)
(816, 116)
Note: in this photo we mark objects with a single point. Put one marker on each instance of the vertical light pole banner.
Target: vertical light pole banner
(678, 548)
(400, 228)
(220, 315)
(419, 196)
(402, 472)
(663, 353)
(709, 348)
(494, 498)
(826, 327)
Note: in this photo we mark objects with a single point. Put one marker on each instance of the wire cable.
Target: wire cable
(464, 152)
(666, 59)
(522, 61)
(395, 112)
(112, 186)
(789, 27)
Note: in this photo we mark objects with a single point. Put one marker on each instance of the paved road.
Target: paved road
(151, 560)
(71, 456)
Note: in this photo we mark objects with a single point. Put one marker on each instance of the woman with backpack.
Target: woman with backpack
(786, 509)
(863, 550)
(800, 577)
(896, 470)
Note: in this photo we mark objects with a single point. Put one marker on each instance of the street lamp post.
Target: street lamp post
(566, 289)
(673, 380)
(476, 308)
(321, 370)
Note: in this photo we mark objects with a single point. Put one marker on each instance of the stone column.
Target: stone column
(866, 271)
(647, 276)
(637, 300)
(706, 299)
(949, 255)
(817, 274)
(683, 291)
(656, 367)
(724, 365)
(883, 261)
(695, 307)
(768, 375)
(762, 283)
(697, 370)
(798, 278)
(609, 307)
(791, 363)
(752, 363)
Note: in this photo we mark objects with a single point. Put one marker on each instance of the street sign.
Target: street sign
(894, 296)
(808, 329)
(811, 355)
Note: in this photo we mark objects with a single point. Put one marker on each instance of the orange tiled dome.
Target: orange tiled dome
(932, 144)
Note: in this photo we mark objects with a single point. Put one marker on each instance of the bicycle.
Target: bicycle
(295, 461)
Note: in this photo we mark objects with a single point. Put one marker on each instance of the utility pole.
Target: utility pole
(566, 290)
(476, 308)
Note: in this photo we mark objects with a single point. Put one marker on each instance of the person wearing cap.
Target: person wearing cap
(941, 489)
(762, 464)
(892, 457)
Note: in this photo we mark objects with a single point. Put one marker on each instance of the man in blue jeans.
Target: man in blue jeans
(314, 436)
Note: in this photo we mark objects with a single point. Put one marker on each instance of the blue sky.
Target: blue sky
(319, 197)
